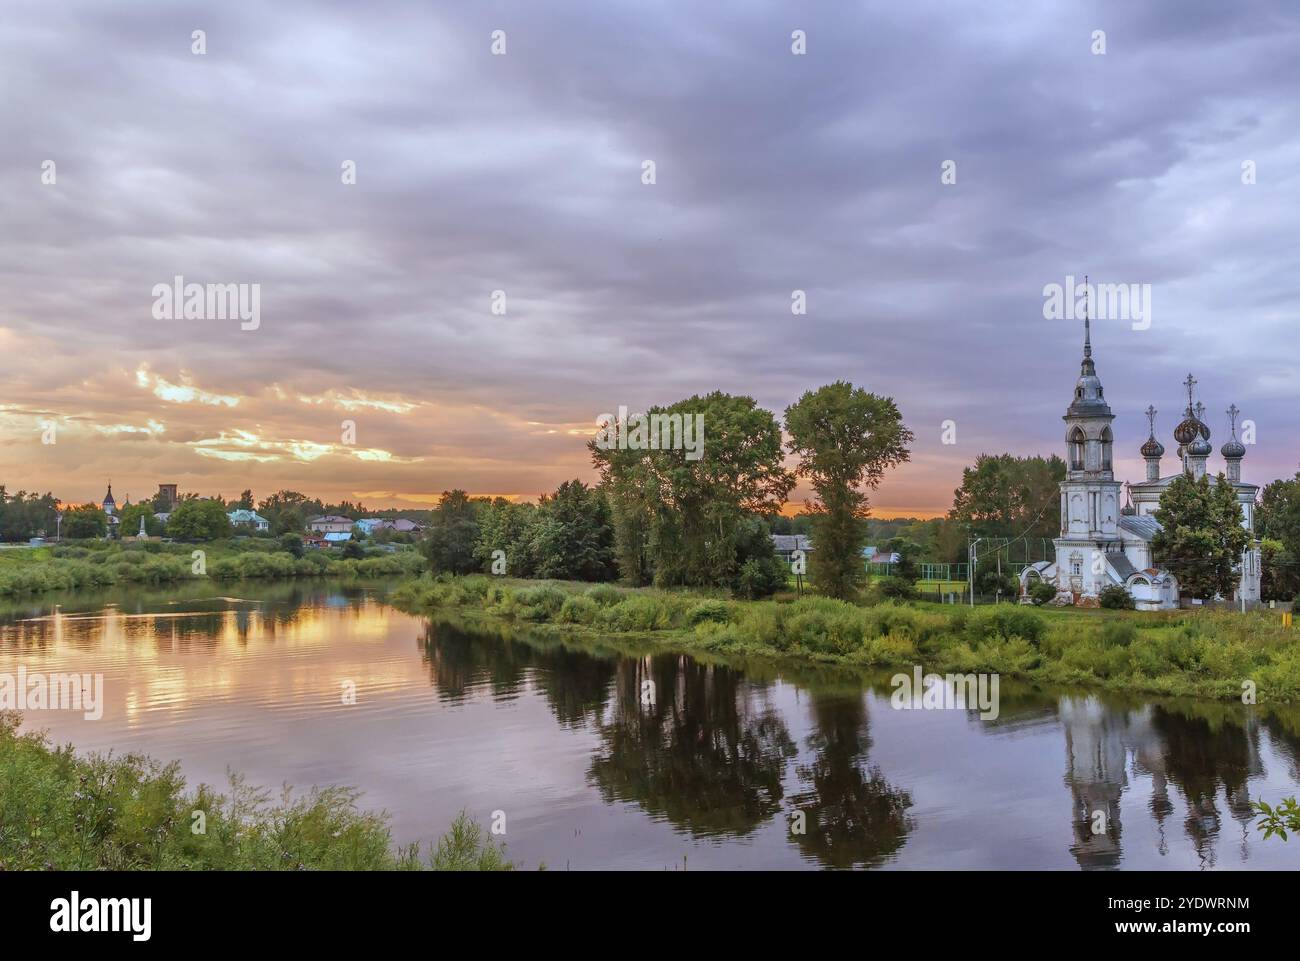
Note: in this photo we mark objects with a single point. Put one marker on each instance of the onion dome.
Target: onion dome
(1200, 448)
(1233, 449)
(1153, 448)
(1188, 431)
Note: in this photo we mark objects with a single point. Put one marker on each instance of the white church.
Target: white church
(1102, 543)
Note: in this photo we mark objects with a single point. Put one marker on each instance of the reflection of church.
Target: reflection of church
(1203, 762)
(1102, 544)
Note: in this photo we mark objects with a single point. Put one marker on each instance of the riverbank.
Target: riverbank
(61, 811)
(69, 567)
(1204, 654)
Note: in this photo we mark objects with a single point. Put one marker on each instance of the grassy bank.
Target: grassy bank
(59, 811)
(1186, 653)
(30, 571)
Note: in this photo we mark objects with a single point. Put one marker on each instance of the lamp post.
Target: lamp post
(58, 526)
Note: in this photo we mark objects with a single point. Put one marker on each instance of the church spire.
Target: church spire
(1088, 369)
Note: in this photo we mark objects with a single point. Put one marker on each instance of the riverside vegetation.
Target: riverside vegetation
(61, 811)
(26, 571)
(1193, 653)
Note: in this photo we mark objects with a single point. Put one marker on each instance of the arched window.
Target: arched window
(1076, 449)
(1107, 440)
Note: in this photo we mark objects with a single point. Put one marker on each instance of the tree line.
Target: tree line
(662, 517)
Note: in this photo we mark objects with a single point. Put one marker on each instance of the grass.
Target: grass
(28, 571)
(1208, 654)
(59, 811)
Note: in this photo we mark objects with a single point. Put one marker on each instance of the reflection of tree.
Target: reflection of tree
(701, 748)
(854, 816)
(461, 661)
(576, 684)
(1200, 754)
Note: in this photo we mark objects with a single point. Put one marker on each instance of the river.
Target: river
(712, 764)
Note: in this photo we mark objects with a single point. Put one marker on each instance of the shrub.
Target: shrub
(895, 588)
(1041, 592)
(715, 611)
(1118, 633)
(538, 603)
(760, 577)
(605, 595)
(639, 612)
(578, 609)
(1115, 597)
(1006, 621)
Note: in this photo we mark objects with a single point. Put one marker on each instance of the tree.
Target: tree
(291, 542)
(245, 501)
(506, 527)
(1279, 576)
(129, 520)
(85, 521)
(908, 552)
(846, 439)
(24, 515)
(1006, 496)
(677, 513)
(1201, 538)
(198, 520)
(449, 541)
(571, 538)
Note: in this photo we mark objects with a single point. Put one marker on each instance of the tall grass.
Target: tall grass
(60, 811)
(1204, 653)
(70, 568)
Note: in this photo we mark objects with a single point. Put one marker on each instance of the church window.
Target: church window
(1076, 449)
(1107, 442)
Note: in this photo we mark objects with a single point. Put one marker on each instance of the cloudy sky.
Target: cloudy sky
(523, 173)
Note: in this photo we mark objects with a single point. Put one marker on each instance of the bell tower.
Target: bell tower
(1090, 495)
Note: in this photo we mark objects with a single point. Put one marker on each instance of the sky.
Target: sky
(524, 172)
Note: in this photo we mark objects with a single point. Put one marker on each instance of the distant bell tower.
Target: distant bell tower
(1090, 495)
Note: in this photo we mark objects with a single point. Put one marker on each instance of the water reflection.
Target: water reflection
(624, 756)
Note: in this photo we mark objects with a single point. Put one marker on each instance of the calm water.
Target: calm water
(709, 776)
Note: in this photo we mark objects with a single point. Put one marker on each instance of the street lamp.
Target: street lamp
(58, 526)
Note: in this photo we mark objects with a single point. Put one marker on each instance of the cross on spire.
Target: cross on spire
(1087, 320)
(1151, 418)
(1190, 384)
(1232, 414)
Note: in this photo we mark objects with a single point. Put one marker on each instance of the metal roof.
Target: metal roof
(1145, 527)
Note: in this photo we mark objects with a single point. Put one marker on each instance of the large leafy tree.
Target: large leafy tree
(507, 527)
(198, 520)
(1201, 537)
(1006, 496)
(571, 538)
(25, 515)
(129, 520)
(680, 518)
(1278, 523)
(85, 521)
(846, 438)
(450, 538)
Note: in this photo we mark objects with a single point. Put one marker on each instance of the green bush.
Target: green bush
(578, 609)
(1118, 633)
(1115, 597)
(606, 595)
(1041, 592)
(538, 603)
(895, 588)
(708, 611)
(1006, 621)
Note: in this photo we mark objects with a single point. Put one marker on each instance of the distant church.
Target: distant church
(1103, 544)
